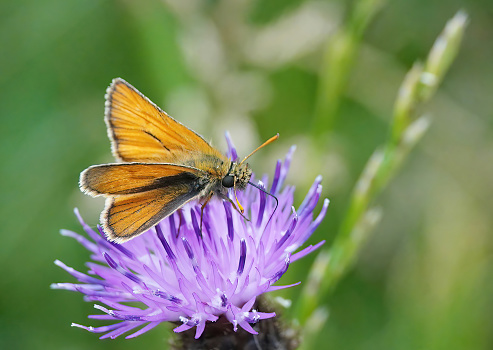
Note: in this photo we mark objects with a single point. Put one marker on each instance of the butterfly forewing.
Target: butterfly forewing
(122, 179)
(142, 132)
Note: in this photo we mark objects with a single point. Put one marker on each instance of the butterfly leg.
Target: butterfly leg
(203, 207)
(180, 220)
(226, 198)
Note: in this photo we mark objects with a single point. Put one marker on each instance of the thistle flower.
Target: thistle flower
(179, 273)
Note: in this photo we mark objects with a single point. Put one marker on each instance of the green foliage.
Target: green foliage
(360, 218)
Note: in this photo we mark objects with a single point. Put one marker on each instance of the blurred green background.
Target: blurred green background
(423, 278)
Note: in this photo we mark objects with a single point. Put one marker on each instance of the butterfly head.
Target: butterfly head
(237, 176)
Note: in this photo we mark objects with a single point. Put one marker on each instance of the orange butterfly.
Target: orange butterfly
(165, 165)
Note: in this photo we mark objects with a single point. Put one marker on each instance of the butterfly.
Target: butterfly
(163, 165)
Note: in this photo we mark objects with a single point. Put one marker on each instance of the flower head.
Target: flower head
(180, 273)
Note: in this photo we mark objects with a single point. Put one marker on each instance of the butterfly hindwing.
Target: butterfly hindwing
(125, 217)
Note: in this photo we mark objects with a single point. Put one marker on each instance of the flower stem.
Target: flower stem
(340, 52)
(406, 130)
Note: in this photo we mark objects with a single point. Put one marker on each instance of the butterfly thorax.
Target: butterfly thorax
(213, 167)
(217, 168)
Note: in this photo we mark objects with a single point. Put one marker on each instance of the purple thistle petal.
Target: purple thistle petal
(245, 285)
(241, 264)
(318, 220)
(277, 175)
(195, 224)
(289, 231)
(118, 268)
(172, 227)
(282, 271)
(200, 330)
(160, 294)
(205, 223)
(229, 219)
(274, 288)
(246, 326)
(188, 249)
(144, 329)
(232, 154)
(264, 315)
(185, 326)
(306, 251)
(261, 210)
(110, 261)
(285, 167)
(177, 272)
(249, 304)
(309, 196)
(165, 244)
(97, 329)
(101, 317)
(231, 316)
(82, 240)
(124, 327)
(224, 300)
(122, 249)
(97, 237)
(79, 275)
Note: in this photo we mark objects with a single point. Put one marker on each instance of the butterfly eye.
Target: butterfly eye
(228, 181)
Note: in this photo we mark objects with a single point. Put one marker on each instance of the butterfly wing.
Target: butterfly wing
(140, 195)
(128, 216)
(129, 178)
(141, 132)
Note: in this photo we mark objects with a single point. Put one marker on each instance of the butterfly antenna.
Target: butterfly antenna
(272, 139)
(277, 201)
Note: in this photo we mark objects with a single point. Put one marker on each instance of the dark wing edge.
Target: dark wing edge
(88, 177)
(167, 208)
